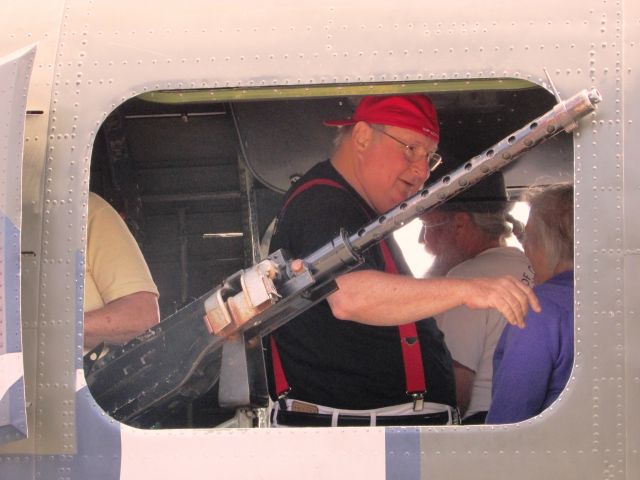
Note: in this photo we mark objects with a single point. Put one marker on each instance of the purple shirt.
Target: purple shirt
(532, 365)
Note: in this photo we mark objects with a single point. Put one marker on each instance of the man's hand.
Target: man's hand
(384, 299)
(506, 294)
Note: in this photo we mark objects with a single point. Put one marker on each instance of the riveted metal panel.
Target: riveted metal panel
(15, 71)
(108, 52)
(630, 120)
(357, 42)
(25, 23)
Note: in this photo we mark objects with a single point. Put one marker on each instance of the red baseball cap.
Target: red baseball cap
(413, 112)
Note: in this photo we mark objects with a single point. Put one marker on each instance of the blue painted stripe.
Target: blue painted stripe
(13, 399)
(99, 454)
(16, 428)
(12, 285)
(402, 453)
(99, 448)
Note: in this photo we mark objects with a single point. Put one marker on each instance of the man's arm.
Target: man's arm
(121, 320)
(378, 298)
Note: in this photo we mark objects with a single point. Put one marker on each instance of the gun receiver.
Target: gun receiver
(183, 356)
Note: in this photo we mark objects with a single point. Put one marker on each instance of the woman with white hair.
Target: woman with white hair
(532, 365)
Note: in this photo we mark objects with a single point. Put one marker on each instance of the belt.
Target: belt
(303, 419)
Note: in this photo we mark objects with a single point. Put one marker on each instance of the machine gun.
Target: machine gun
(214, 339)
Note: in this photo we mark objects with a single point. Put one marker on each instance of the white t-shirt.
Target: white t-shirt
(472, 335)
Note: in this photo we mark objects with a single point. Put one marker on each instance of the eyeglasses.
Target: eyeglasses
(426, 227)
(416, 153)
(432, 226)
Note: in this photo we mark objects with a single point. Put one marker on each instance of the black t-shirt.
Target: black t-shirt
(338, 363)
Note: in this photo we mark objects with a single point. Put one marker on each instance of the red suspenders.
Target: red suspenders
(411, 351)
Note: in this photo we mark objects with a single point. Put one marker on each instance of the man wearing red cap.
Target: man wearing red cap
(365, 356)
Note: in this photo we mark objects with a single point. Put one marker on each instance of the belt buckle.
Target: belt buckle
(418, 401)
(282, 399)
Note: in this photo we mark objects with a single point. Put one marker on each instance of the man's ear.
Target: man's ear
(361, 136)
(461, 219)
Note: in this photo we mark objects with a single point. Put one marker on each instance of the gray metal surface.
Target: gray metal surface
(624, 160)
(95, 55)
(15, 71)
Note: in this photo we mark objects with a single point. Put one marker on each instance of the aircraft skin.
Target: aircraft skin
(90, 57)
